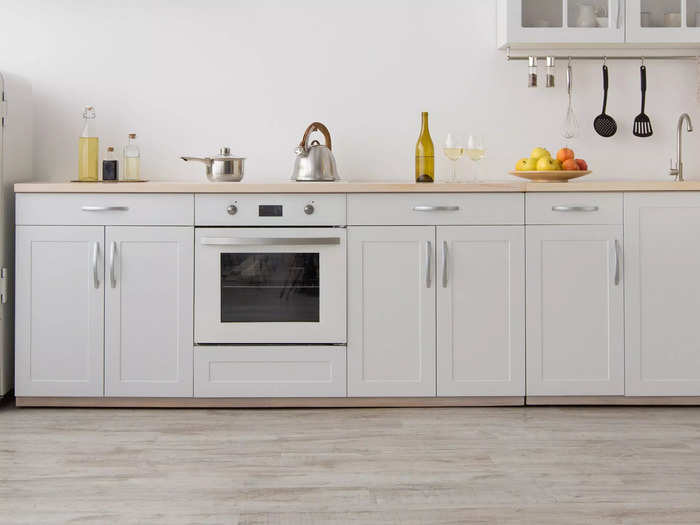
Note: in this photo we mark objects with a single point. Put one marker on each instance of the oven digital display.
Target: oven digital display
(269, 210)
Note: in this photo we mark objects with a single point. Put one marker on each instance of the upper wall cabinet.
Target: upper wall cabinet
(656, 22)
(528, 23)
(582, 23)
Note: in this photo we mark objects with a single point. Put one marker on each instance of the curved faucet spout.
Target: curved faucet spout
(677, 172)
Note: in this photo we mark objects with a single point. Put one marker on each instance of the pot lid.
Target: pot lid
(225, 154)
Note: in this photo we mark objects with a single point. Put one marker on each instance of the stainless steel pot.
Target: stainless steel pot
(315, 161)
(223, 167)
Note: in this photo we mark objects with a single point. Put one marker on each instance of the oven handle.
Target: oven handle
(268, 241)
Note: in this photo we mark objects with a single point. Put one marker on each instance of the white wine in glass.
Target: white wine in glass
(453, 151)
(476, 150)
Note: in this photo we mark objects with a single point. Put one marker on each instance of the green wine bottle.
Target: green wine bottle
(425, 154)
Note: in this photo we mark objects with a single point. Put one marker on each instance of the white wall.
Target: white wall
(190, 76)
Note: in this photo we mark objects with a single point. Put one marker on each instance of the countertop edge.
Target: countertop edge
(353, 187)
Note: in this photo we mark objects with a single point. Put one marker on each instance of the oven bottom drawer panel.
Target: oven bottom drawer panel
(269, 371)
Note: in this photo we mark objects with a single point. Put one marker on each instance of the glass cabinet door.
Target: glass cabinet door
(573, 22)
(663, 21)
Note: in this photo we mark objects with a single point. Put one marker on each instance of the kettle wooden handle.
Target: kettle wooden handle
(316, 126)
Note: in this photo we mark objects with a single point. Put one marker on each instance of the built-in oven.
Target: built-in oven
(270, 284)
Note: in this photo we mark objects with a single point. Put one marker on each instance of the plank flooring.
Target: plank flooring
(539, 465)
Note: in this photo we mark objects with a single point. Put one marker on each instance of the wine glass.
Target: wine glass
(453, 150)
(476, 150)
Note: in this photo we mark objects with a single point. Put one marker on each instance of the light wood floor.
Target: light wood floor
(534, 465)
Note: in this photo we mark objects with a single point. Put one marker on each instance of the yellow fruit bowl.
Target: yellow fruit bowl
(550, 175)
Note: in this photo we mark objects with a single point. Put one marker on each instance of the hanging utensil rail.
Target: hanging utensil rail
(603, 57)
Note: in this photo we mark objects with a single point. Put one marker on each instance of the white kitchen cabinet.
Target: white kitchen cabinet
(391, 311)
(480, 311)
(662, 246)
(575, 310)
(528, 23)
(148, 311)
(655, 22)
(59, 322)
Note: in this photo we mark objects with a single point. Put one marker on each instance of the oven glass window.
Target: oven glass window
(269, 287)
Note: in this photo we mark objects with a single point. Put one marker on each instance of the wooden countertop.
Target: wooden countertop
(352, 187)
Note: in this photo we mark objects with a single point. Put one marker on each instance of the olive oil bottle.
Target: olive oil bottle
(88, 147)
(425, 154)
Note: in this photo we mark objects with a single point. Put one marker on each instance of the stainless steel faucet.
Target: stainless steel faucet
(677, 172)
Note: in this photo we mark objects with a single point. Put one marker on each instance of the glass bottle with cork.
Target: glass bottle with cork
(132, 159)
(110, 166)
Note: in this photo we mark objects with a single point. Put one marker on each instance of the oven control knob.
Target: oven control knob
(232, 209)
(309, 209)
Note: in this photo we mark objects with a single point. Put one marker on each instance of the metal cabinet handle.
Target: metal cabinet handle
(95, 258)
(436, 208)
(619, 12)
(574, 208)
(428, 257)
(105, 208)
(112, 260)
(268, 241)
(617, 262)
(444, 264)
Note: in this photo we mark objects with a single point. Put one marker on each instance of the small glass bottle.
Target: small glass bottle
(549, 73)
(109, 166)
(88, 147)
(132, 159)
(532, 72)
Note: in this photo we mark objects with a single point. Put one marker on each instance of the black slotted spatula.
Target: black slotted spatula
(642, 124)
(604, 124)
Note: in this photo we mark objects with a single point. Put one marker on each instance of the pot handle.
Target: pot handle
(316, 126)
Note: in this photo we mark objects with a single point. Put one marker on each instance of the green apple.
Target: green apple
(546, 164)
(526, 164)
(538, 153)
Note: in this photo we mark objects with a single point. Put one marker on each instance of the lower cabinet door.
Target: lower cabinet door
(481, 311)
(391, 311)
(148, 311)
(575, 317)
(269, 371)
(59, 311)
(662, 246)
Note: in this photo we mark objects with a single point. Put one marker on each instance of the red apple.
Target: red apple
(582, 164)
(570, 165)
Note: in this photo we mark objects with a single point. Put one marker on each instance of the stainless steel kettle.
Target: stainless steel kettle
(315, 161)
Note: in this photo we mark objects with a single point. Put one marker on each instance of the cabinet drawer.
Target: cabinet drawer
(269, 371)
(573, 208)
(368, 209)
(118, 209)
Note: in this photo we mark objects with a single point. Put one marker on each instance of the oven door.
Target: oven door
(270, 285)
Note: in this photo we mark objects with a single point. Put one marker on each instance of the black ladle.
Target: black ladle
(604, 124)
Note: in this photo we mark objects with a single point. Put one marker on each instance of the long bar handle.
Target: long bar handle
(444, 264)
(268, 241)
(436, 208)
(95, 258)
(574, 208)
(428, 258)
(105, 208)
(617, 262)
(619, 12)
(112, 260)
